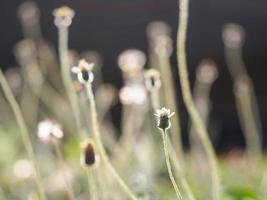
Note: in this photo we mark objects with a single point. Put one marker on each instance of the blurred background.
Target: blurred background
(111, 26)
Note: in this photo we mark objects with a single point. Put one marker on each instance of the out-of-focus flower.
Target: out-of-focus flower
(29, 12)
(152, 79)
(133, 94)
(207, 71)
(88, 156)
(63, 16)
(131, 61)
(23, 169)
(84, 71)
(163, 118)
(233, 35)
(158, 28)
(49, 131)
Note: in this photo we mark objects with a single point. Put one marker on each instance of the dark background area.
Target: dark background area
(110, 27)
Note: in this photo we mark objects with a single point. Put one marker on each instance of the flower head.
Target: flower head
(88, 156)
(63, 16)
(163, 116)
(84, 71)
(49, 131)
(233, 35)
(152, 79)
(131, 61)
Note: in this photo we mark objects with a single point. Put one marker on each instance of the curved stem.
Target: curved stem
(188, 100)
(103, 154)
(167, 158)
(24, 132)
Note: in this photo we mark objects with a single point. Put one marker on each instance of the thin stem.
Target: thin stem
(167, 158)
(91, 185)
(188, 100)
(24, 132)
(69, 190)
(171, 102)
(65, 73)
(96, 134)
(154, 95)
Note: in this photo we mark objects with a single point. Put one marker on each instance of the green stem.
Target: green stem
(24, 132)
(188, 100)
(167, 158)
(103, 154)
(91, 185)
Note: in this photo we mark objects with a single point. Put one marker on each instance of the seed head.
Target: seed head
(63, 16)
(84, 71)
(163, 116)
(152, 79)
(49, 131)
(88, 156)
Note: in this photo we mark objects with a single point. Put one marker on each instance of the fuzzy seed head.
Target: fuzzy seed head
(63, 16)
(88, 156)
(163, 118)
(49, 131)
(152, 79)
(84, 72)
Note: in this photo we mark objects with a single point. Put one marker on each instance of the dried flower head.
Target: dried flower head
(49, 131)
(88, 156)
(207, 71)
(152, 79)
(158, 28)
(233, 35)
(131, 61)
(163, 116)
(133, 94)
(63, 16)
(84, 71)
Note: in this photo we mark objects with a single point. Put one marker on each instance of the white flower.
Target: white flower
(84, 71)
(163, 116)
(48, 130)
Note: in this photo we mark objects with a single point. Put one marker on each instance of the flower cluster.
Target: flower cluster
(163, 116)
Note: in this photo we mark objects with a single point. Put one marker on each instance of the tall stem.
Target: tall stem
(167, 158)
(65, 73)
(103, 154)
(24, 132)
(188, 100)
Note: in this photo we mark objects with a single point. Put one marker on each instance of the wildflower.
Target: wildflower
(152, 79)
(84, 71)
(163, 116)
(63, 16)
(131, 61)
(49, 131)
(88, 157)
